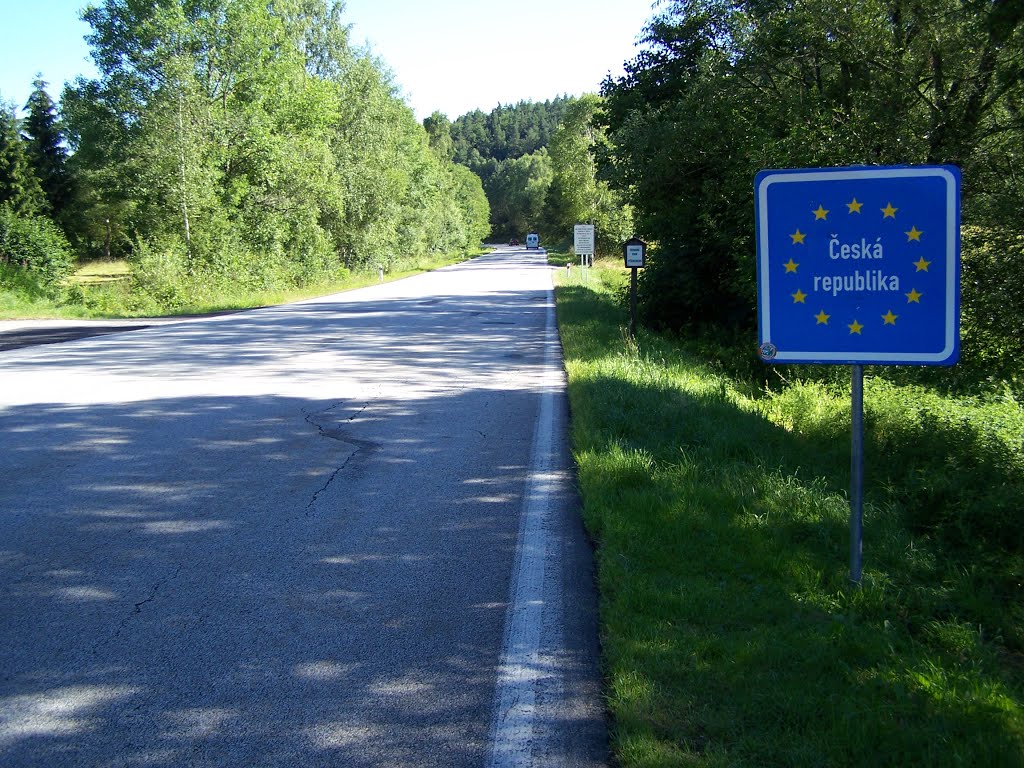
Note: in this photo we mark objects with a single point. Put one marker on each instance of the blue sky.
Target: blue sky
(449, 55)
(45, 37)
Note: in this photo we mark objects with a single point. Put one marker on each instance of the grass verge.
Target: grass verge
(730, 634)
(106, 290)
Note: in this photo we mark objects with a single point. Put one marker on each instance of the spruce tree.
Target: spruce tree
(46, 151)
(19, 187)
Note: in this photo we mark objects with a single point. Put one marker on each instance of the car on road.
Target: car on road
(513, 241)
(533, 240)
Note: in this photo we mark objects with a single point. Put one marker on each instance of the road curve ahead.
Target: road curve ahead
(335, 533)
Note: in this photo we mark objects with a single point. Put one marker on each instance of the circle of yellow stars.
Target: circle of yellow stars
(855, 207)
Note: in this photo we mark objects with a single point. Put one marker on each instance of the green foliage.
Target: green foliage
(439, 132)
(993, 305)
(506, 133)
(159, 270)
(472, 202)
(19, 186)
(730, 634)
(46, 152)
(729, 87)
(35, 246)
(103, 209)
(537, 166)
(508, 150)
(517, 193)
(245, 143)
(952, 468)
(576, 194)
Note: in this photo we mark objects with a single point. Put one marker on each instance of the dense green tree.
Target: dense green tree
(472, 201)
(492, 145)
(247, 141)
(36, 250)
(507, 132)
(100, 219)
(19, 187)
(213, 102)
(374, 131)
(727, 87)
(576, 194)
(47, 152)
(439, 131)
(465, 213)
(517, 194)
(33, 250)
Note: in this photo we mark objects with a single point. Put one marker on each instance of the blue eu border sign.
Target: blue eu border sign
(859, 265)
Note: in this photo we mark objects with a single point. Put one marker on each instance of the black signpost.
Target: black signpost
(634, 251)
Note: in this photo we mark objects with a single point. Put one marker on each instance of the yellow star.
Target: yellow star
(922, 265)
(798, 297)
(821, 213)
(913, 297)
(822, 318)
(890, 318)
(791, 266)
(914, 234)
(889, 212)
(855, 327)
(854, 206)
(798, 237)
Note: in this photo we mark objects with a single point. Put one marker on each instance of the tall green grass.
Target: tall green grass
(731, 635)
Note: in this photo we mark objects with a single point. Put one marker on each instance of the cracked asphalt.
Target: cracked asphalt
(289, 536)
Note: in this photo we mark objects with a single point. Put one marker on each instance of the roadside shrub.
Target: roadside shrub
(993, 305)
(35, 245)
(158, 268)
(954, 467)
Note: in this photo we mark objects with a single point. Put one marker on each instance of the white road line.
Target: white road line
(522, 668)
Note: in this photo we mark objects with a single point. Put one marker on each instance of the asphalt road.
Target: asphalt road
(336, 533)
(29, 334)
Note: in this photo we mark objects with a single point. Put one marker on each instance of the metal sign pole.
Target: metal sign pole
(593, 250)
(856, 473)
(632, 304)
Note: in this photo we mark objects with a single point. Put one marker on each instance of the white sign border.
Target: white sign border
(952, 236)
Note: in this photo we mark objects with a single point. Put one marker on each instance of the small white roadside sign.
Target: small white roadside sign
(583, 239)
